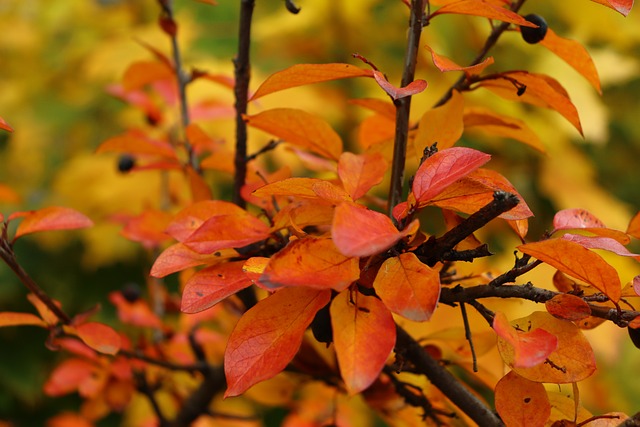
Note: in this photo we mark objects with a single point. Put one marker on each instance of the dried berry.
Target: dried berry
(126, 162)
(534, 35)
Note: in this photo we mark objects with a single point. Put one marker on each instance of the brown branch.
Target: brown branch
(196, 367)
(199, 400)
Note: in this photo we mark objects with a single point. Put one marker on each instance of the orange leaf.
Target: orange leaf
(179, 257)
(577, 261)
(528, 348)
(376, 130)
(541, 90)
(311, 262)
(4, 125)
(441, 124)
(360, 232)
(445, 64)
(396, 93)
(408, 287)
(634, 226)
(268, 336)
(572, 361)
(380, 106)
(360, 172)
(304, 74)
(45, 313)
(8, 195)
(50, 218)
(193, 216)
(294, 187)
(227, 231)
(443, 169)
(484, 9)
(621, 6)
(99, 337)
(574, 54)
(136, 142)
(302, 214)
(568, 307)
(142, 73)
(69, 376)
(496, 124)
(520, 402)
(136, 313)
(211, 285)
(299, 128)
(364, 334)
(148, 228)
(200, 190)
(9, 318)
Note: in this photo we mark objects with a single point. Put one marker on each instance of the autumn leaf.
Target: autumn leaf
(408, 287)
(300, 128)
(136, 312)
(68, 376)
(141, 73)
(304, 74)
(4, 125)
(577, 261)
(364, 334)
(311, 262)
(572, 361)
(269, 335)
(68, 419)
(48, 219)
(396, 93)
(574, 219)
(9, 318)
(568, 307)
(528, 348)
(227, 231)
(45, 313)
(360, 172)
(445, 64)
(179, 257)
(606, 243)
(193, 216)
(360, 232)
(442, 124)
(211, 285)
(98, 336)
(633, 229)
(483, 9)
(380, 106)
(574, 54)
(479, 119)
(520, 402)
(138, 143)
(621, 6)
(148, 228)
(443, 169)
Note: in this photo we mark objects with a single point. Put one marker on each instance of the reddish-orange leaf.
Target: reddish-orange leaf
(529, 347)
(572, 361)
(311, 262)
(304, 74)
(227, 231)
(136, 313)
(574, 54)
(577, 261)
(383, 107)
(364, 334)
(360, 232)
(211, 285)
(375, 130)
(443, 169)
(68, 419)
(179, 257)
(136, 142)
(300, 128)
(269, 335)
(330, 193)
(634, 226)
(4, 125)
(98, 336)
(9, 318)
(445, 64)
(541, 90)
(441, 124)
(569, 219)
(294, 187)
(193, 216)
(497, 124)
(396, 93)
(69, 376)
(520, 402)
(568, 307)
(45, 313)
(302, 214)
(408, 287)
(606, 243)
(360, 172)
(621, 6)
(484, 9)
(142, 73)
(51, 218)
(148, 228)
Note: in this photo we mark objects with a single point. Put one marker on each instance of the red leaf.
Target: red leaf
(445, 64)
(577, 261)
(69, 376)
(606, 243)
(360, 172)
(360, 232)
(227, 231)
(211, 285)
(521, 402)
(4, 125)
(50, 218)
(408, 287)
(193, 216)
(268, 336)
(179, 257)
(99, 337)
(304, 74)
(311, 262)
(484, 9)
(570, 219)
(300, 128)
(364, 334)
(621, 6)
(148, 228)
(396, 93)
(531, 348)
(441, 124)
(9, 318)
(443, 169)
(136, 313)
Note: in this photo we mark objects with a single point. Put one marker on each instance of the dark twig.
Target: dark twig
(467, 255)
(521, 267)
(633, 421)
(145, 388)
(242, 66)
(199, 400)
(271, 145)
(403, 105)
(196, 367)
(468, 336)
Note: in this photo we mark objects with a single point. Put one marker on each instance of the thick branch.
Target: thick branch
(199, 400)
(403, 105)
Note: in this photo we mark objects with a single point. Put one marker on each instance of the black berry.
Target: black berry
(126, 162)
(321, 325)
(534, 35)
(131, 292)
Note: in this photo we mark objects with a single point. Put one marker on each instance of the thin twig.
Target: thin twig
(145, 388)
(196, 367)
(271, 145)
(468, 336)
